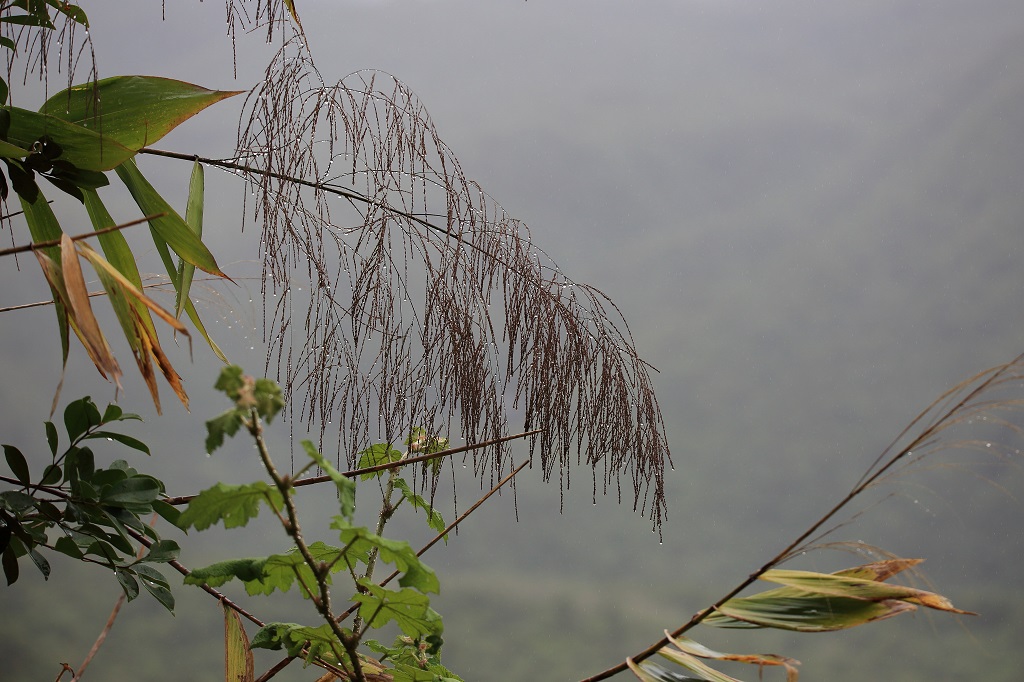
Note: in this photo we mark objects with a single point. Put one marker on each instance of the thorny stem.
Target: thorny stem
(322, 602)
(870, 478)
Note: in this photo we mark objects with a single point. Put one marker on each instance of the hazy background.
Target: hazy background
(810, 214)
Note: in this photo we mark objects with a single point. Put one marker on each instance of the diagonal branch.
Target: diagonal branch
(947, 416)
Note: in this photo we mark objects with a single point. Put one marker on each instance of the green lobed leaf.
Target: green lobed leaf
(407, 608)
(135, 111)
(234, 505)
(434, 518)
(397, 552)
(246, 569)
(223, 425)
(379, 453)
(346, 486)
(293, 637)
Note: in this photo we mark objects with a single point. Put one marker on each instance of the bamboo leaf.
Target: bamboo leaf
(101, 264)
(238, 660)
(168, 230)
(692, 648)
(86, 149)
(788, 609)
(694, 665)
(194, 219)
(139, 326)
(858, 588)
(134, 111)
(43, 226)
(11, 151)
(80, 311)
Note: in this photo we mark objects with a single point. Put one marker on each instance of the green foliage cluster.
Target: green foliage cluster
(96, 512)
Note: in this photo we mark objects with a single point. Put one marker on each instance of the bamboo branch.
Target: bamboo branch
(875, 472)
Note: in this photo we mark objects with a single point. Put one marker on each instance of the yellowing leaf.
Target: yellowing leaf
(80, 313)
(858, 588)
(238, 661)
(142, 335)
(689, 647)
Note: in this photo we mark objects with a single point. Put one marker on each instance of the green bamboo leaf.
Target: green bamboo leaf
(11, 151)
(169, 229)
(135, 111)
(194, 219)
(87, 149)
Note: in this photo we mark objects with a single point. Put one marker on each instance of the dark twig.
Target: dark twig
(184, 499)
(56, 242)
